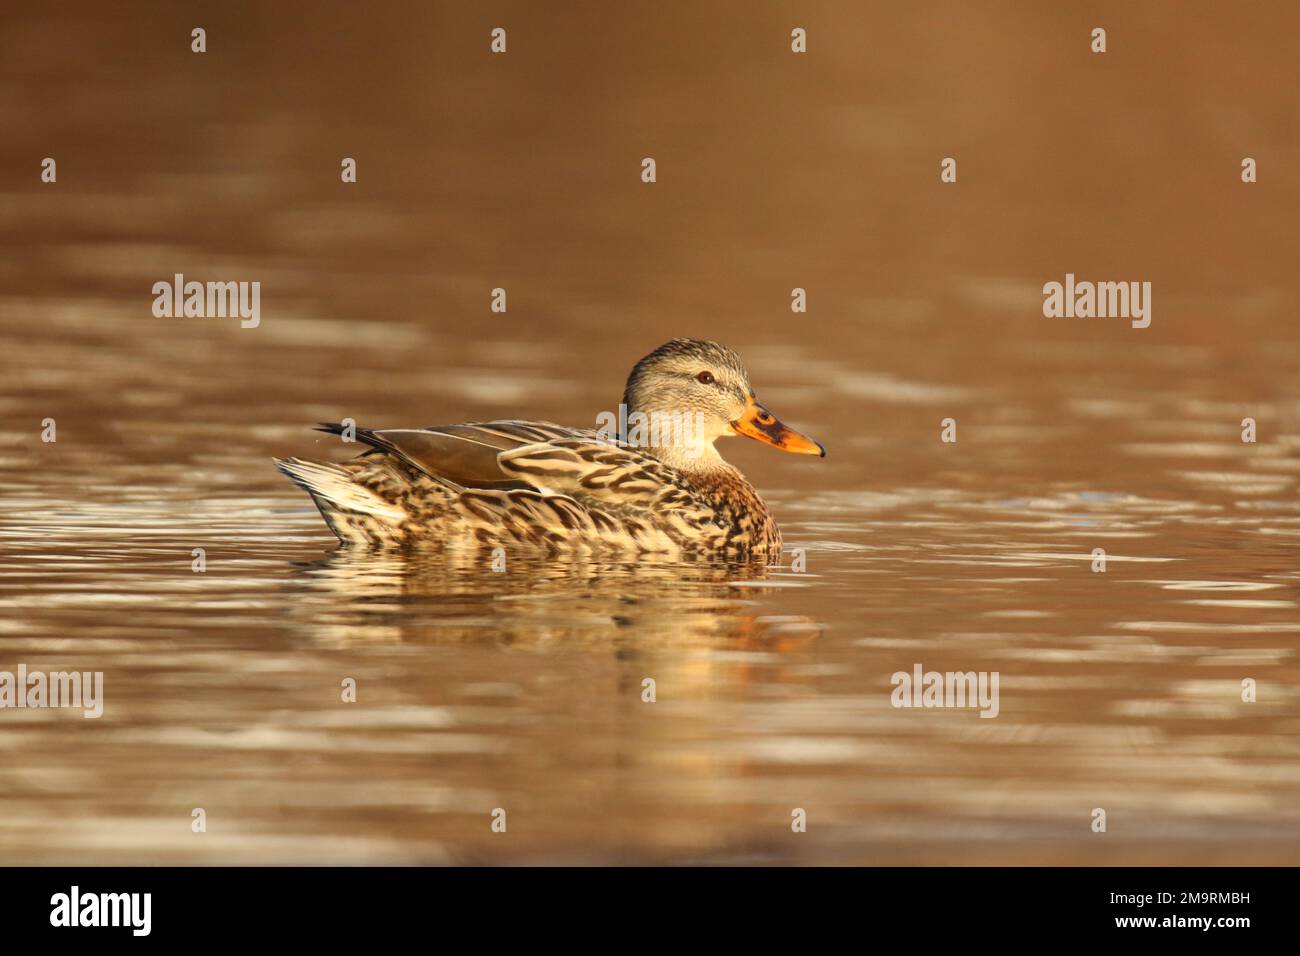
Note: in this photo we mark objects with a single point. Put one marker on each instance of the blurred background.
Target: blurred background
(775, 170)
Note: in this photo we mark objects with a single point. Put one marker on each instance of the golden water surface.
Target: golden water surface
(1119, 690)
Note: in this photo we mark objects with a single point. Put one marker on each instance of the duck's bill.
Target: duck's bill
(761, 425)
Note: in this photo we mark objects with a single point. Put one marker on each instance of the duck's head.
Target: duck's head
(698, 392)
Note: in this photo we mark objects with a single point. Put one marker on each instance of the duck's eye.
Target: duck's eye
(706, 378)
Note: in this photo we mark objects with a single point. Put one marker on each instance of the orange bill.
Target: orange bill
(760, 424)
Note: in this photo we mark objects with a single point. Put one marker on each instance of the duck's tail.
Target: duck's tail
(351, 499)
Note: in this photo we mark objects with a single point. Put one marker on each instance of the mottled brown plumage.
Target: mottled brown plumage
(544, 486)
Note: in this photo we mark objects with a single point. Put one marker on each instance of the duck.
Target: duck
(648, 480)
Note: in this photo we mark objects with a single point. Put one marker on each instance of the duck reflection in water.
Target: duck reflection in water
(532, 599)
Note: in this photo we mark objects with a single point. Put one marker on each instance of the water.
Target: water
(523, 690)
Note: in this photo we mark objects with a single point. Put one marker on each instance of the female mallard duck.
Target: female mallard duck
(657, 486)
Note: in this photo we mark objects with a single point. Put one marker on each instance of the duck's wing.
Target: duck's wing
(609, 472)
(619, 489)
(463, 456)
(518, 468)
